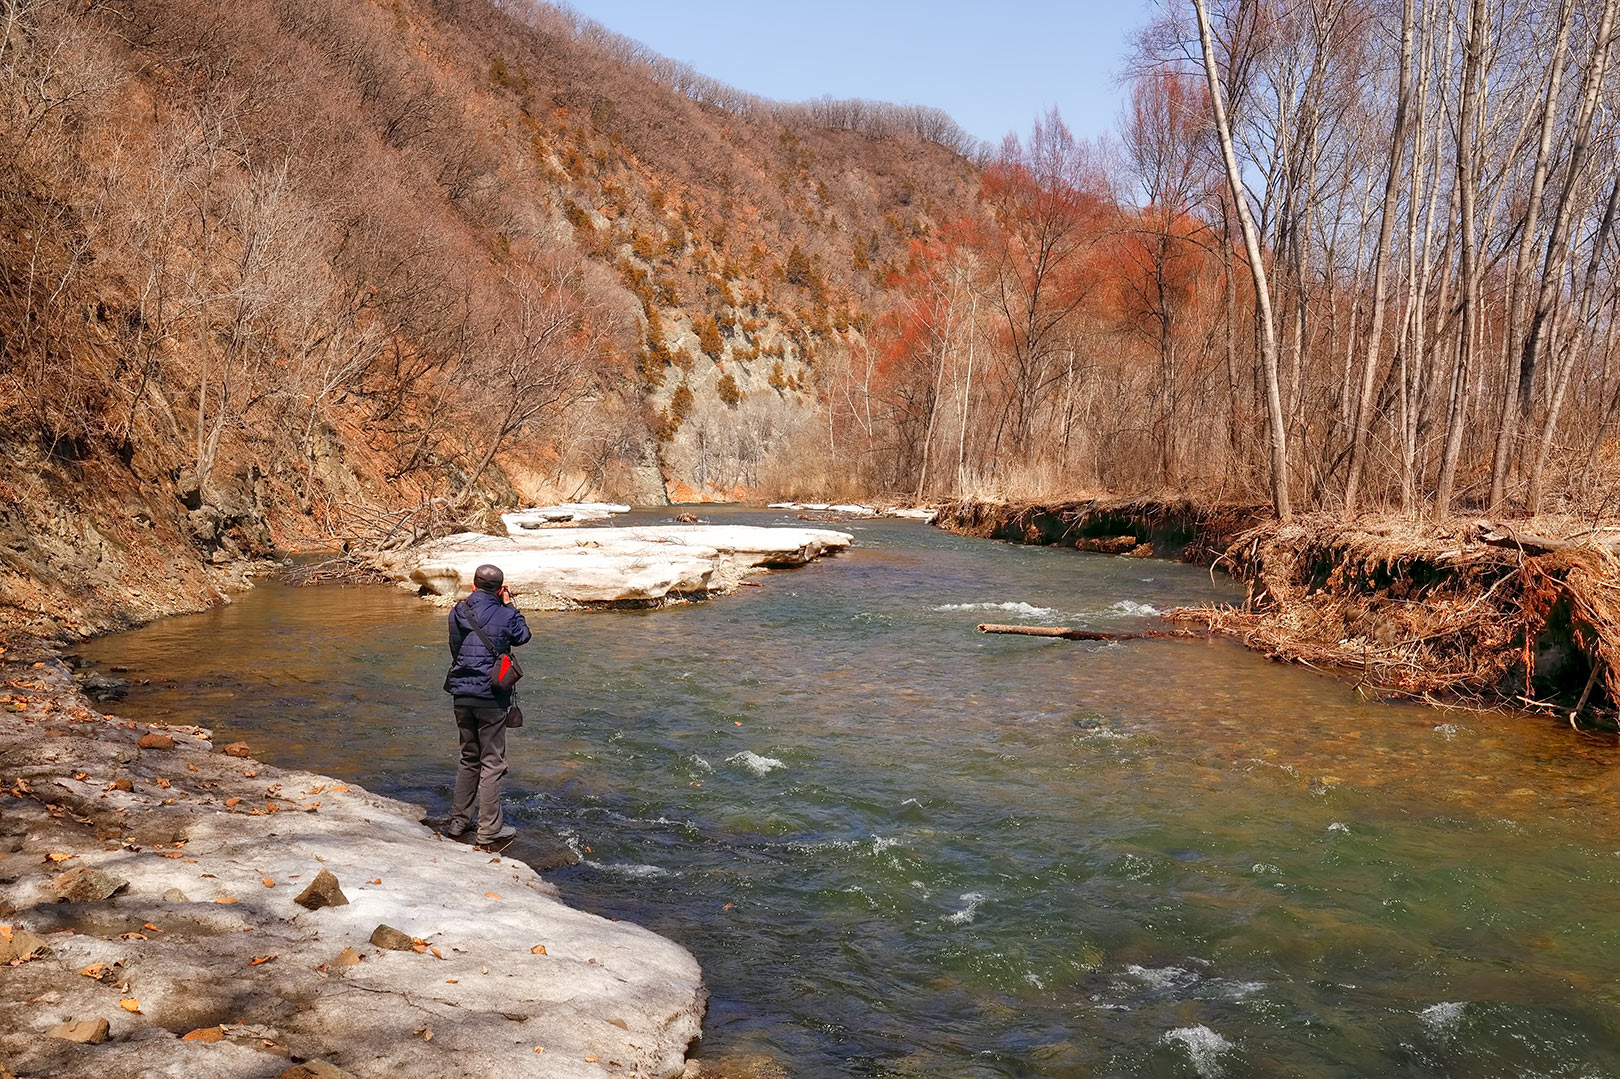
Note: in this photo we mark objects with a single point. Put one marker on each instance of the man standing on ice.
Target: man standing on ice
(482, 627)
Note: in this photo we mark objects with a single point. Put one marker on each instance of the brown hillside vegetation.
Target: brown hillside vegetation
(305, 271)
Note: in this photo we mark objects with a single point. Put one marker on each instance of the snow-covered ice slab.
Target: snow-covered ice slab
(565, 513)
(567, 567)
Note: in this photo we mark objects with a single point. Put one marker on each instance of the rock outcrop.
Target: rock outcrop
(282, 986)
(562, 568)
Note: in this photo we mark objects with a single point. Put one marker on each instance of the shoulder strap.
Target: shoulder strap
(478, 629)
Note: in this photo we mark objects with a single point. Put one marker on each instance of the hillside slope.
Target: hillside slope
(283, 274)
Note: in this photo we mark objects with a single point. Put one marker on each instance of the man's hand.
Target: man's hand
(505, 595)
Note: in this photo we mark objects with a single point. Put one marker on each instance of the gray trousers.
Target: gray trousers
(481, 768)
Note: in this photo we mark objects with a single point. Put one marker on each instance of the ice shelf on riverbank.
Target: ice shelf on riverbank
(914, 513)
(568, 513)
(562, 568)
(149, 884)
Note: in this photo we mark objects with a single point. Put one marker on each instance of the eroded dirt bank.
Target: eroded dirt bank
(1458, 612)
(150, 922)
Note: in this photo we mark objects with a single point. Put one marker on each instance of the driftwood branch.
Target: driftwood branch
(1085, 634)
(1496, 534)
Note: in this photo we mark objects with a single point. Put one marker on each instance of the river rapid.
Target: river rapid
(902, 848)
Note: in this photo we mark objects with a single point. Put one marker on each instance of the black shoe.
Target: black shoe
(505, 833)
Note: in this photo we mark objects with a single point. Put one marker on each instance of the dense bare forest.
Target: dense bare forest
(309, 271)
(1344, 254)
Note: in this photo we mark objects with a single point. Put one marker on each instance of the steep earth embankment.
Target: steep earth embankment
(156, 916)
(1470, 612)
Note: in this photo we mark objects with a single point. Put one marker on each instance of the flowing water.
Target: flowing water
(899, 847)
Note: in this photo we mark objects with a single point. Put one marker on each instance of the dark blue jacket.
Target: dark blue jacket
(472, 666)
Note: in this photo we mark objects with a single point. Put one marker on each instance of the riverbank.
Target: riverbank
(153, 908)
(1468, 612)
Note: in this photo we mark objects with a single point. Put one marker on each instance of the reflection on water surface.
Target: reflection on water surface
(902, 848)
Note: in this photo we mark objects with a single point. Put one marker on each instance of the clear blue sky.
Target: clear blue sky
(994, 67)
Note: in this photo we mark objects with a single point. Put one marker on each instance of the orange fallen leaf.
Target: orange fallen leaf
(334, 790)
(424, 1033)
(152, 927)
(268, 883)
(205, 1034)
(450, 981)
(538, 949)
(164, 783)
(130, 1004)
(539, 1049)
(232, 801)
(377, 881)
(94, 970)
(260, 960)
(418, 947)
(493, 895)
(250, 775)
(79, 775)
(133, 936)
(225, 899)
(592, 1058)
(191, 767)
(169, 854)
(58, 856)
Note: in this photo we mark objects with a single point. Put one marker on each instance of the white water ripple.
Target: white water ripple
(1028, 609)
(1203, 1045)
(1441, 1018)
(755, 763)
(1131, 607)
(966, 914)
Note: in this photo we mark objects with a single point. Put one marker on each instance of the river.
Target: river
(902, 848)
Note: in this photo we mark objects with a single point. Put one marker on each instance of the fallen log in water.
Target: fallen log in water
(1085, 634)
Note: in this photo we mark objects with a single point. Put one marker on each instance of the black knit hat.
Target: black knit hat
(489, 577)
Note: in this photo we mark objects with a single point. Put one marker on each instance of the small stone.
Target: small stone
(123, 784)
(20, 944)
(323, 891)
(154, 740)
(205, 1034)
(87, 1031)
(386, 936)
(315, 1069)
(175, 895)
(237, 749)
(86, 885)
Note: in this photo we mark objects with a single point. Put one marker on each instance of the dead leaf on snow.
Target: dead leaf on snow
(261, 960)
(225, 899)
(268, 883)
(58, 856)
(232, 801)
(130, 1004)
(538, 949)
(94, 970)
(492, 895)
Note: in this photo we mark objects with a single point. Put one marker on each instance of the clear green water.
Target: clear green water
(991, 856)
